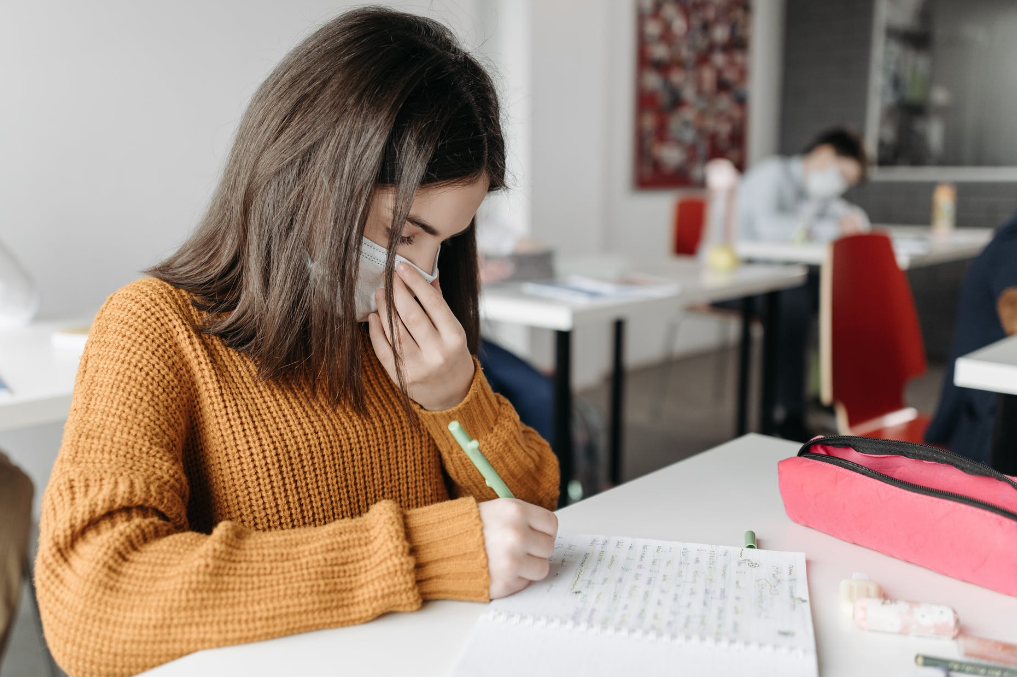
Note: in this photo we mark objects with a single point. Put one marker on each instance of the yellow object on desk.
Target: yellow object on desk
(722, 258)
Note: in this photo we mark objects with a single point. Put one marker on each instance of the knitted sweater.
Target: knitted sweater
(194, 505)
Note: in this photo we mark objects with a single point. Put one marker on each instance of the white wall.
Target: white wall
(583, 195)
(115, 121)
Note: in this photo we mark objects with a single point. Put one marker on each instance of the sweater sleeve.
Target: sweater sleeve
(125, 585)
(522, 458)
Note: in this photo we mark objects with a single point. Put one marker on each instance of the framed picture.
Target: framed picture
(691, 88)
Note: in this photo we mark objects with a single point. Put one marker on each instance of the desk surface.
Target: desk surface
(40, 377)
(506, 302)
(992, 368)
(711, 498)
(915, 247)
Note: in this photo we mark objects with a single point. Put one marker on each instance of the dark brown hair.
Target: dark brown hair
(375, 97)
(845, 143)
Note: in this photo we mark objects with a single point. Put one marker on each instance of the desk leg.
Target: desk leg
(771, 342)
(1004, 435)
(562, 443)
(617, 402)
(744, 358)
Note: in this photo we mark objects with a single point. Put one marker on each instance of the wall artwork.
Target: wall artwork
(691, 88)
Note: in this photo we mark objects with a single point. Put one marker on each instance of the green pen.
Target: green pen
(965, 667)
(750, 540)
(472, 449)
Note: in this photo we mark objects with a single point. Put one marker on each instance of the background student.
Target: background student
(986, 313)
(245, 457)
(797, 199)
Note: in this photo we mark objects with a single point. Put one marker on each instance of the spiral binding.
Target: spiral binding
(556, 624)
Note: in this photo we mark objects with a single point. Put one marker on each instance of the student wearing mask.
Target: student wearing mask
(987, 313)
(258, 442)
(797, 199)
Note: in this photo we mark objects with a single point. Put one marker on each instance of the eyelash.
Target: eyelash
(403, 239)
(408, 239)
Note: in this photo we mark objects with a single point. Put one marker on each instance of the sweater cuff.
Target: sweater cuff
(477, 413)
(447, 545)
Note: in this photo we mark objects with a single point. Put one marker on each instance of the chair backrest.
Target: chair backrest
(689, 222)
(870, 340)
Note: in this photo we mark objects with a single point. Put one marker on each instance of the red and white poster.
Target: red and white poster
(691, 88)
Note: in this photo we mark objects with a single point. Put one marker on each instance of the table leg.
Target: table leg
(617, 402)
(562, 442)
(771, 342)
(744, 359)
(1004, 435)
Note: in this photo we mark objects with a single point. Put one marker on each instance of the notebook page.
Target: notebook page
(506, 649)
(671, 591)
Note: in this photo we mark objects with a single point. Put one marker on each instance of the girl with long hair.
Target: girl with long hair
(258, 442)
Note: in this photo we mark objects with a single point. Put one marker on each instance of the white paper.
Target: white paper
(612, 599)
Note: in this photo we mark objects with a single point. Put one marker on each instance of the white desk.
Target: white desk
(711, 498)
(507, 302)
(914, 245)
(40, 377)
(994, 369)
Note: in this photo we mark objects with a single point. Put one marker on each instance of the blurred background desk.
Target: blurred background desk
(506, 302)
(39, 376)
(994, 369)
(915, 247)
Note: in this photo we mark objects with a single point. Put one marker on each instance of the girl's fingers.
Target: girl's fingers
(544, 521)
(534, 568)
(429, 295)
(540, 544)
(403, 341)
(382, 348)
(413, 317)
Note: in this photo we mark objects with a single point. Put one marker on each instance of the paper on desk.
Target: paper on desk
(677, 601)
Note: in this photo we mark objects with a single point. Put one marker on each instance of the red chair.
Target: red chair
(689, 225)
(870, 341)
(689, 222)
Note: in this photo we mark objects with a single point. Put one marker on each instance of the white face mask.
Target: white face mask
(372, 275)
(825, 184)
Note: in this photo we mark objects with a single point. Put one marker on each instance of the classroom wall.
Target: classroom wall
(117, 117)
(583, 195)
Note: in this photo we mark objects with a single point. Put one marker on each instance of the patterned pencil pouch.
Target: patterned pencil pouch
(918, 503)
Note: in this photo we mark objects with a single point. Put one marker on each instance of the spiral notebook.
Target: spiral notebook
(632, 606)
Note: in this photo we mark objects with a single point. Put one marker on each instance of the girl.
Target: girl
(245, 457)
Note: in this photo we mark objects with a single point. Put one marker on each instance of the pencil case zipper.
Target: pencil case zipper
(914, 451)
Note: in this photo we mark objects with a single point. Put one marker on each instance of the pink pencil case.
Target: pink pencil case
(921, 504)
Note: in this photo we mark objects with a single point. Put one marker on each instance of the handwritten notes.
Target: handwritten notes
(634, 606)
(679, 592)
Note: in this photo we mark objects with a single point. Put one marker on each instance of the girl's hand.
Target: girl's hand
(518, 537)
(436, 360)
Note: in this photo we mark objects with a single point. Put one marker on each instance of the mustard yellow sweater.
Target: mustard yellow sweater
(193, 505)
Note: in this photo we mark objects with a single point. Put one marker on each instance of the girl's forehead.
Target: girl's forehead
(447, 208)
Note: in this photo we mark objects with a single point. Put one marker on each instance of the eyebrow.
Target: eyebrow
(427, 228)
